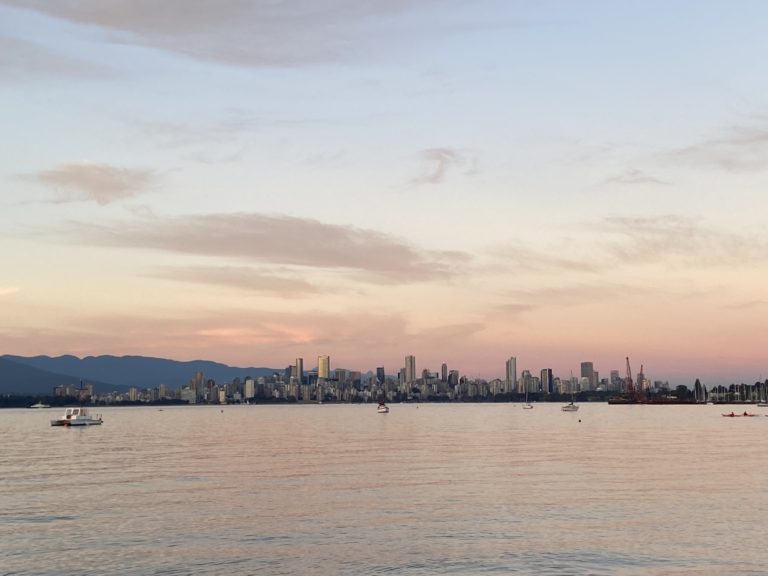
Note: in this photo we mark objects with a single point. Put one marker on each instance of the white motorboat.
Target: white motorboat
(383, 408)
(40, 405)
(77, 417)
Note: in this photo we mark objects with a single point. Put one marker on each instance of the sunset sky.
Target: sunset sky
(249, 182)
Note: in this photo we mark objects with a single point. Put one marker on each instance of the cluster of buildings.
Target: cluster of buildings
(341, 385)
(588, 381)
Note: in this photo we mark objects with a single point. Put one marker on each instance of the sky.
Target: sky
(255, 181)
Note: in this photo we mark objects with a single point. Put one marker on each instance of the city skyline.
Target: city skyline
(258, 182)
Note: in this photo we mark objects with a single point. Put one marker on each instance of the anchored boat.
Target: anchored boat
(77, 417)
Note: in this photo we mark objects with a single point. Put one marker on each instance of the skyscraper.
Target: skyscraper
(547, 381)
(410, 369)
(511, 379)
(299, 370)
(380, 375)
(444, 372)
(588, 372)
(324, 367)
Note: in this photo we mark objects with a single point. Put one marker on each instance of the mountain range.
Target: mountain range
(40, 374)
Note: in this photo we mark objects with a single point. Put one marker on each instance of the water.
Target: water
(425, 489)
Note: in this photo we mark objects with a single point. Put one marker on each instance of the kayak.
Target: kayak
(732, 415)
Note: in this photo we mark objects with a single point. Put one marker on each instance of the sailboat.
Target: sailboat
(762, 394)
(570, 407)
(527, 406)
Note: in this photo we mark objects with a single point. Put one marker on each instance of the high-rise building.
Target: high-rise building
(453, 378)
(410, 369)
(380, 375)
(324, 367)
(526, 381)
(615, 380)
(299, 375)
(198, 384)
(511, 378)
(444, 372)
(547, 381)
(588, 372)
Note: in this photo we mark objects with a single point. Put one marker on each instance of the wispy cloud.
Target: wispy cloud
(741, 148)
(100, 183)
(240, 278)
(234, 124)
(223, 140)
(633, 176)
(685, 240)
(569, 296)
(282, 240)
(513, 309)
(556, 259)
(438, 161)
(21, 58)
(246, 33)
(751, 305)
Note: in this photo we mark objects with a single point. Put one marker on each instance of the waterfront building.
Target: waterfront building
(547, 381)
(250, 388)
(616, 380)
(588, 371)
(497, 386)
(381, 377)
(511, 378)
(410, 369)
(526, 380)
(444, 372)
(188, 394)
(298, 370)
(324, 367)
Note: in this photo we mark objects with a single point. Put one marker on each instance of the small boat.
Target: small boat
(383, 408)
(527, 405)
(570, 407)
(745, 414)
(40, 405)
(77, 417)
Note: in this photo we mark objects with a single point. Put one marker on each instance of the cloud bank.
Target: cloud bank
(254, 34)
(283, 240)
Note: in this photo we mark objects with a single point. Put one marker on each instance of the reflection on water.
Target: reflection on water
(425, 489)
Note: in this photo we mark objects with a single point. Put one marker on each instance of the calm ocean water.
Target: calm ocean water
(425, 489)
